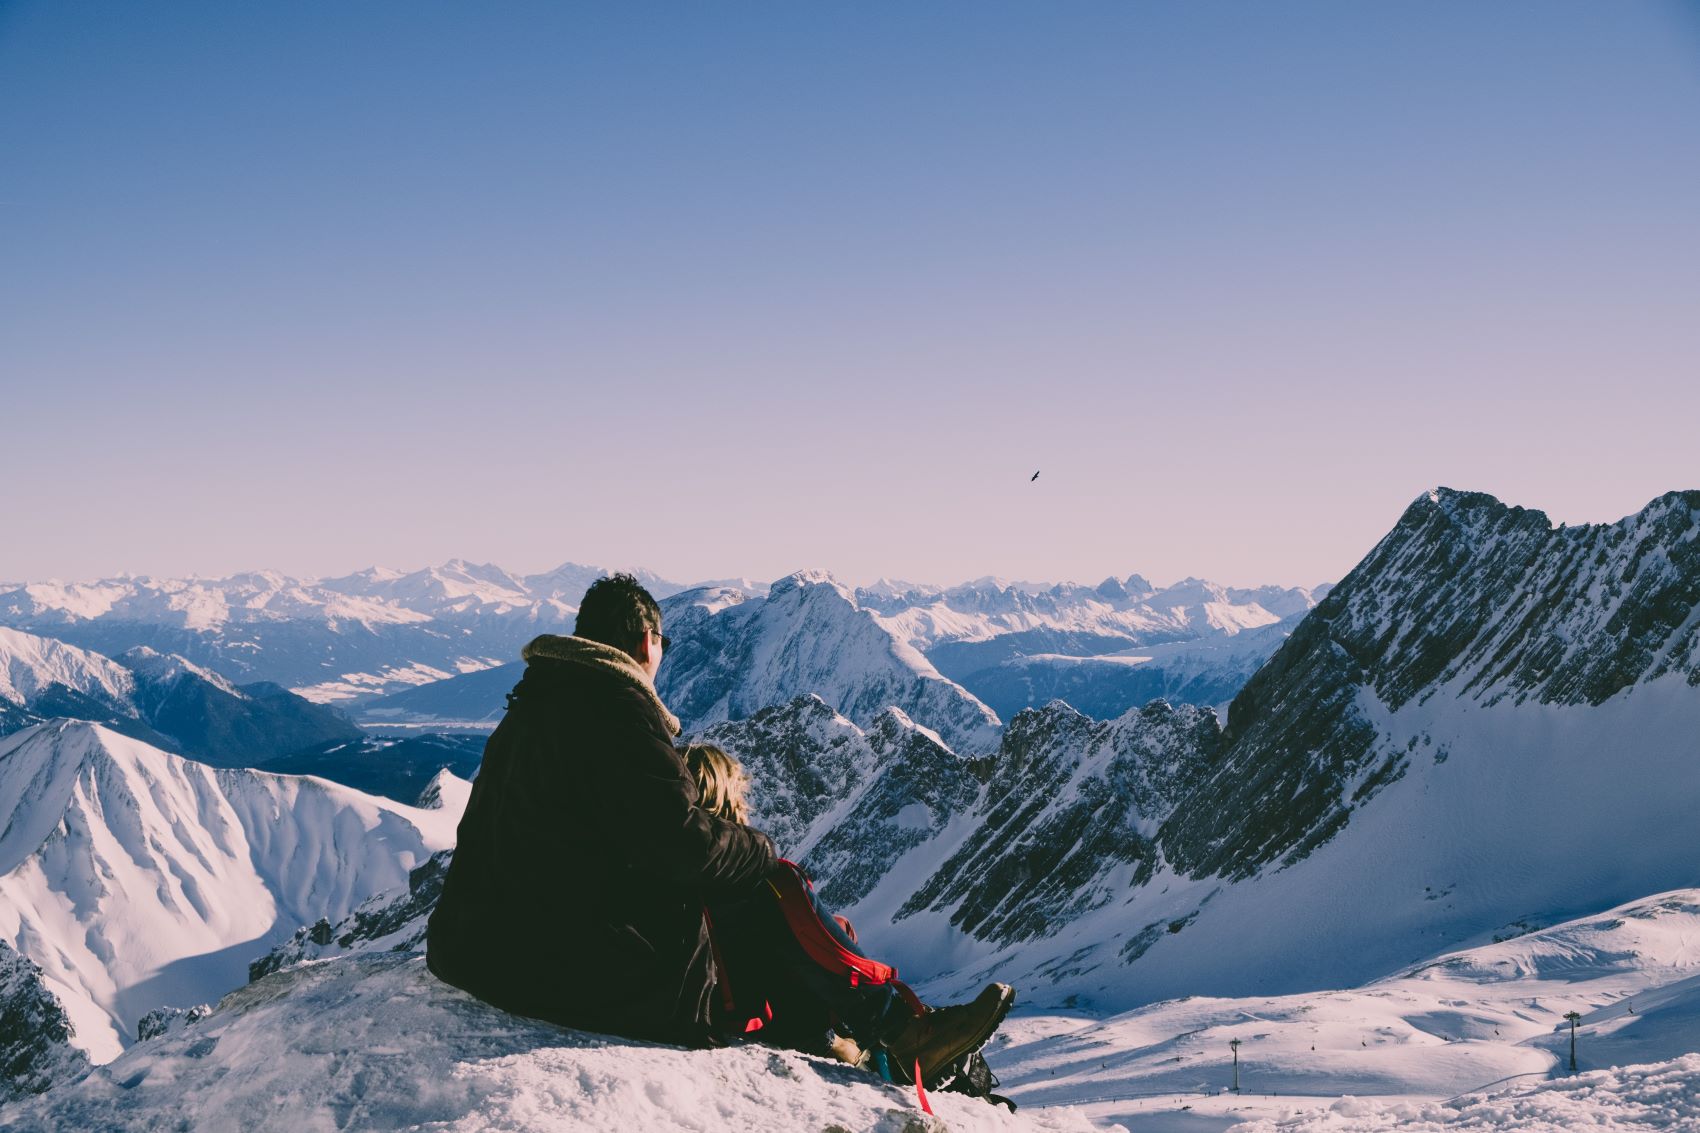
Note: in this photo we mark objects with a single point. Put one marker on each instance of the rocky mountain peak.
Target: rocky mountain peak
(809, 579)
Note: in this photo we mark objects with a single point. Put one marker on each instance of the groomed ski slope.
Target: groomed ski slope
(1487, 1023)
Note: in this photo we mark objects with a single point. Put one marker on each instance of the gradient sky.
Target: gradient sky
(738, 288)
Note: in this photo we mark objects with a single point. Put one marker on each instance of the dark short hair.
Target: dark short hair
(617, 611)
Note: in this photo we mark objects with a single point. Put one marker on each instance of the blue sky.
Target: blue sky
(738, 288)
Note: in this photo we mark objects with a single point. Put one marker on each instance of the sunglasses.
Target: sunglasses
(666, 642)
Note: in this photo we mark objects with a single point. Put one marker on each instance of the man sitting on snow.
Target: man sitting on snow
(585, 860)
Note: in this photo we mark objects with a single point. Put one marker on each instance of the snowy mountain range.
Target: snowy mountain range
(1114, 645)
(734, 654)
(367, 638)
(1489, 723)
(332, 639)
(927, 651)
(1481, 739)
(133, 878)
(165, 700)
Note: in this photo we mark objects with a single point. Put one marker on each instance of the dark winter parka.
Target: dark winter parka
(577, 886)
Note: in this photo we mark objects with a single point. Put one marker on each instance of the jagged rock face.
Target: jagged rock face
(1466, 598)
(915, 788)
(845, 803)
(1069, 800)
(801, 759)
(729, 661)
(35, 1033)
(1281, 788)
(1498, 603)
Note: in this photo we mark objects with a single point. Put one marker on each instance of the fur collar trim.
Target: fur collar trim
(603, 658)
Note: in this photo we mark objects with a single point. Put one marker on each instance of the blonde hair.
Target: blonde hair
(721, 781)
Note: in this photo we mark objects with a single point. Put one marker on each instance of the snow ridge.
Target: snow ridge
(135, 878)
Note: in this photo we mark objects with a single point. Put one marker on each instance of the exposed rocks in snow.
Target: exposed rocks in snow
(35, 1033)
(1465, 598)
(166, 1020)
(1069, 800)
(846, 803)
(391, 921)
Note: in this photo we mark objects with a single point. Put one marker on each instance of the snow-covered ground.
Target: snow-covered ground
(375, 1042)
(1472, 1040)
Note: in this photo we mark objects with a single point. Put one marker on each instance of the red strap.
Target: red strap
(822, 947)
(920, 1090)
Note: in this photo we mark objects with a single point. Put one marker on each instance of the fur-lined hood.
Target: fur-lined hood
(603, 658)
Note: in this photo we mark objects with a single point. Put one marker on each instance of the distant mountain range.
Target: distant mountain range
(956, 660)
(166, 700)
(331, 640)
(401, 648)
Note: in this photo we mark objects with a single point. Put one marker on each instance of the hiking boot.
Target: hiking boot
(941, 1037)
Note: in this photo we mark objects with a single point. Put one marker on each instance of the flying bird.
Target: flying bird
(1035, 477)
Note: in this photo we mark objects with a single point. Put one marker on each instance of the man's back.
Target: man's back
(576, 889)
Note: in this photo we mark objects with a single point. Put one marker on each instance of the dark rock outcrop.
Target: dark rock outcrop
(1069, 800)
(35, 1033)
(1465, 597)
